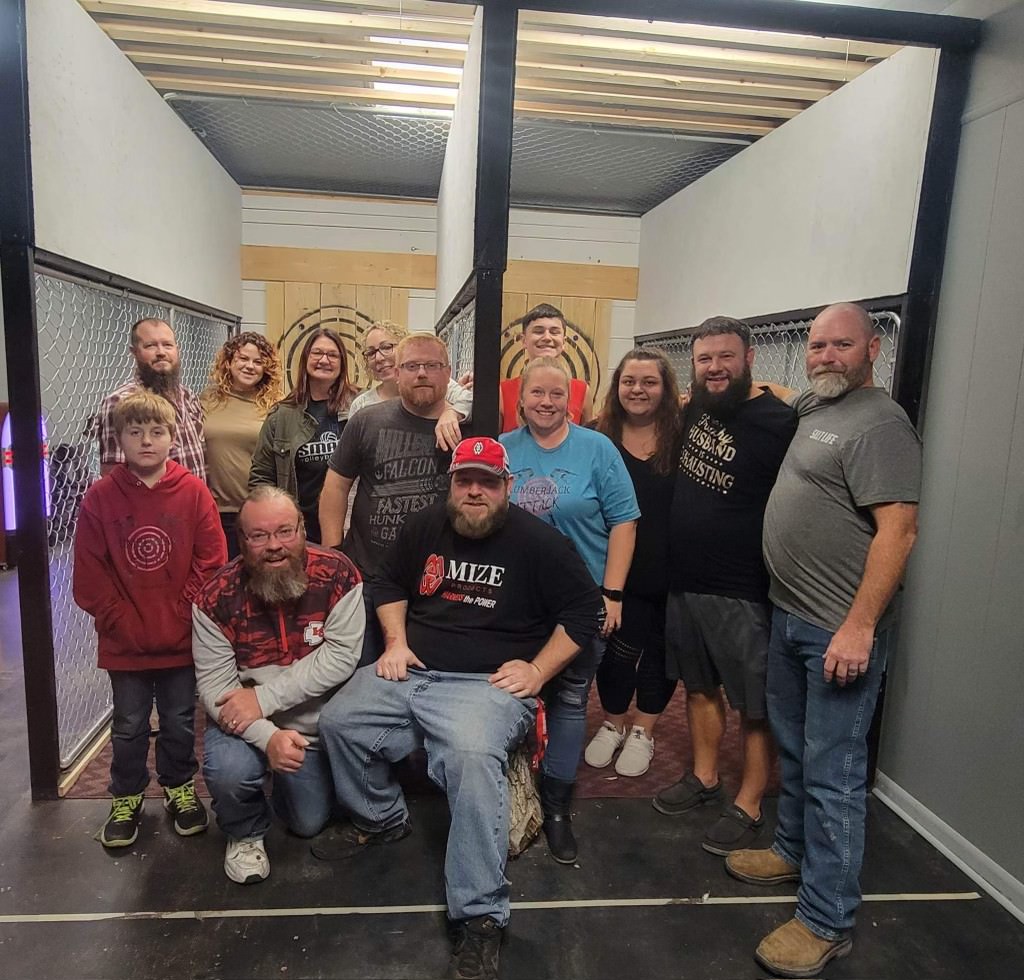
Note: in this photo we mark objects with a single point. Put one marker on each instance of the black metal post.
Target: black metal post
(493, 177)
(819, 19)
(921, 310)
(17, 234)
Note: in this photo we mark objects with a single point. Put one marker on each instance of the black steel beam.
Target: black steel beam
(493, 198)
(52, 262)
(917, 331)
(18, 283)
(816, 19)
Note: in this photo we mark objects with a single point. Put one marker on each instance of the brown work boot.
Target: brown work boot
(793, 950)
(760, 867)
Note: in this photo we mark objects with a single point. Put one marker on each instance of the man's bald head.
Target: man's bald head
(841, 348)
(849, 315)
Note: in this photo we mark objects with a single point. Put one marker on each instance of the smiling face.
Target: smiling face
(544, 337)
(423, 376)
(379, 349)
(544, 398)
(273, 545)
(478, 502)
(641, 390)
(246, 369)
(155, 348)
(841, 349)
(323, 363)
(145, 446)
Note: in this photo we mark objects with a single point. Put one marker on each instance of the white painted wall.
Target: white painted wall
(952, 756)
(120, 182)
(821, 209)
(456, 199)
(367, 225)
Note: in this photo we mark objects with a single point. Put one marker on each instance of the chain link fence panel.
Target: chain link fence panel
(83, 333)
(779, 350)
(458, 334)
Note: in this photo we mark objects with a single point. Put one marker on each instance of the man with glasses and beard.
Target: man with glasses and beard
(717, 616)
(274, 633)
(157, 369)
(838, 531)
(481, 604)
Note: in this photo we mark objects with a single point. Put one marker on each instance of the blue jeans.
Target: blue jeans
(234, 771)
(467, 727)
(134, 691)
(565, 701)
(821, 730)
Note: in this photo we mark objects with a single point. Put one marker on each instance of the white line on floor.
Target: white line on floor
(596, 903)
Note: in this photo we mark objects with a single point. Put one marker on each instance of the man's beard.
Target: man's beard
(277, 585)
(480, 527)
(722, 404)
(834, 384)
(159, 382)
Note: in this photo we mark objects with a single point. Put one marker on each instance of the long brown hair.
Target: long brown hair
(341, 392)
(268, 389)
(668, 421)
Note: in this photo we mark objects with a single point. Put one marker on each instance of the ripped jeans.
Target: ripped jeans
(565, 701)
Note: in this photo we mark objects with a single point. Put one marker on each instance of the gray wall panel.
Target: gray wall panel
(954, 732)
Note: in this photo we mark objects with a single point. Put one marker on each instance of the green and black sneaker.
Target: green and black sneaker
(186, 808)
(122, 826)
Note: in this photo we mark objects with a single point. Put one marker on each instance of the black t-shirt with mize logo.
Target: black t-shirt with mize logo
(726, 472)
(476, 603)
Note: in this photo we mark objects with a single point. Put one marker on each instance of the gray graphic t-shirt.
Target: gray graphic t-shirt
(400, 472)
(848, 455)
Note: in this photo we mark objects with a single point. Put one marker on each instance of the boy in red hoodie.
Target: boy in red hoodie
(148, 537)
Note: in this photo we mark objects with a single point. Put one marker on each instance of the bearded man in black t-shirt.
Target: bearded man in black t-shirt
(481, 604)
(718, 617)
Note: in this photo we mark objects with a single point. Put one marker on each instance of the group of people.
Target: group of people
(395, 586)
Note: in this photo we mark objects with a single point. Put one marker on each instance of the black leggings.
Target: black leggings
(634, 661)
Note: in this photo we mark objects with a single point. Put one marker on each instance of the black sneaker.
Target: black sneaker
(346, 842)
(186, 808)
(685, 795)
(476, 950)
(122, 826)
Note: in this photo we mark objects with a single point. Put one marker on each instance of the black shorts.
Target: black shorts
(714, 641)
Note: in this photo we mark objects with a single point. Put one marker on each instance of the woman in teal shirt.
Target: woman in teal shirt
(574, 479)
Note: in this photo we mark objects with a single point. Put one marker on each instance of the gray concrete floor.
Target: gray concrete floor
(165, 909)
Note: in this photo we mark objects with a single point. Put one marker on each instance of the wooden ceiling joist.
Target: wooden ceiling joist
(720, 83)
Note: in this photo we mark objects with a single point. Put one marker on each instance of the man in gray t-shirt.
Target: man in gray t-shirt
(839, 527)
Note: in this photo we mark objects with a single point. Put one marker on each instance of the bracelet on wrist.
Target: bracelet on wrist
(614, 594)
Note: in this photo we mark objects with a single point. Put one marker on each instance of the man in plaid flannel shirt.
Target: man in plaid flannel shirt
(157, 369)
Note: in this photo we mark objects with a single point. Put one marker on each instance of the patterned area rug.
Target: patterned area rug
(672, 755)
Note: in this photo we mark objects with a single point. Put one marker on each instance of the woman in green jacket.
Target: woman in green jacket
(301, 432)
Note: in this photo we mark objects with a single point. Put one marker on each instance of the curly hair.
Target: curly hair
(668, 422)
(269, 389)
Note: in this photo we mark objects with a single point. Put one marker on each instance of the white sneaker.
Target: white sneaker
(635, 757)
(246, 861)
(604, 745)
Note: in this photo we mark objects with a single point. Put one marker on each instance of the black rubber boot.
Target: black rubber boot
(556, 799)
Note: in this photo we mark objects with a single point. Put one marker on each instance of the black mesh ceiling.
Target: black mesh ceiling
(346, 151)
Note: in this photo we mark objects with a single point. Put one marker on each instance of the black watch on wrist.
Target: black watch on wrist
(614, 594)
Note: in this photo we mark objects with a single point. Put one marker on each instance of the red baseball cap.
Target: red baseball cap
(480, 453)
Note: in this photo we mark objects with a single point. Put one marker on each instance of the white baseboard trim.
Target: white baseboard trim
(999, 883)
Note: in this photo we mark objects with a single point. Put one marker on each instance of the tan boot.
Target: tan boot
(793, 950)
(760, 867)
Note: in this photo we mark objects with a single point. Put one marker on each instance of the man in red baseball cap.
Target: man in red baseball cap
(481, 604)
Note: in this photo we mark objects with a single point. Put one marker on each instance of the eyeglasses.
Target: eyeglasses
(286, 535)
(431, 367)
(371, 352)
(319, 355)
